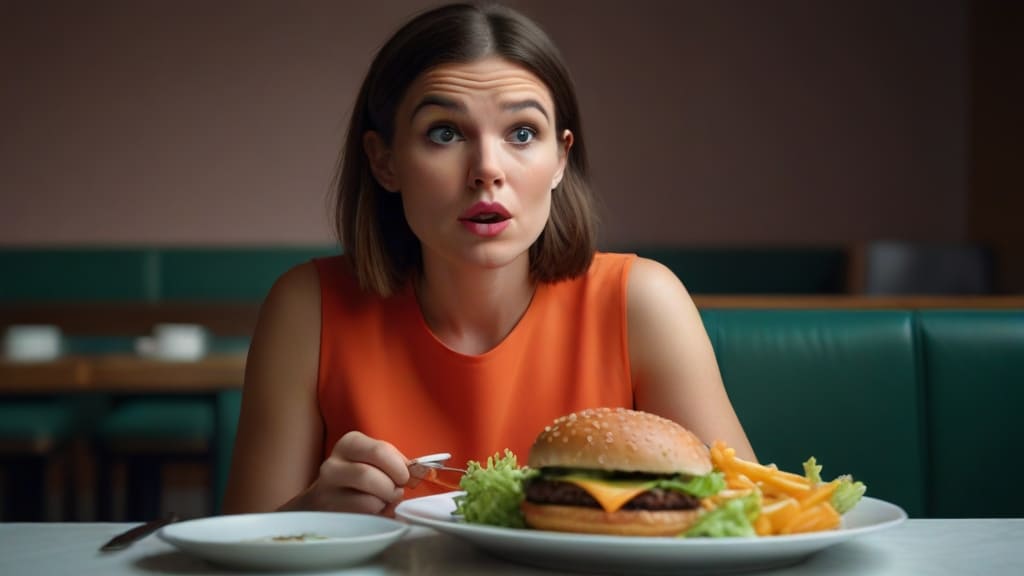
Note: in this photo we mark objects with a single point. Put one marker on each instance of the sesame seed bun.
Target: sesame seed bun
(620, 440)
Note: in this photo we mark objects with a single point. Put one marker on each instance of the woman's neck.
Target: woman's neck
(471, 309)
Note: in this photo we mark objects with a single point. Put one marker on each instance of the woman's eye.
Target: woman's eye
(523, 135)
(442, 135)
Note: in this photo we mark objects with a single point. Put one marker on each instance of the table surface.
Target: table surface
(975, 546)
(122, 373)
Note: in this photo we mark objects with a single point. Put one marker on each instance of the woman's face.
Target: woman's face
(475, 156)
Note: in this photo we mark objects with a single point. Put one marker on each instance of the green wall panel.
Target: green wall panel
(755, 270)
(228, 274)
(92, 274)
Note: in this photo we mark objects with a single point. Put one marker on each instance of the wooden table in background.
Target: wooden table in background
(122, 373)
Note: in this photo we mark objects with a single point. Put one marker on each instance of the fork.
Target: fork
(425, 468)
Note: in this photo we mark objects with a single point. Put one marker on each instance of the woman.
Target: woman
(469, 308)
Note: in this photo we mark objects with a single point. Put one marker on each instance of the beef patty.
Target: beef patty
(567, 494)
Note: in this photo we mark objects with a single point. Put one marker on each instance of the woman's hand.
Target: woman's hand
(362, 475)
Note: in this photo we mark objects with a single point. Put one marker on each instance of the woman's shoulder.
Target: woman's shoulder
(296, 290)
(614, 264)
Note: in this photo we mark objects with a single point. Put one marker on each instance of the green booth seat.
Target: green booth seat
(34, 436)
(841, 386)
(975, 365)
(142, 434)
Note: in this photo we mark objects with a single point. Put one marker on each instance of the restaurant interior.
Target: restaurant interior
(837, 184)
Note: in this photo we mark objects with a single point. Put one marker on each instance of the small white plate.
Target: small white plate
(634, 555)
(332, 540)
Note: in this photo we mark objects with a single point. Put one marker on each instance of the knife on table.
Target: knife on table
(127, 538)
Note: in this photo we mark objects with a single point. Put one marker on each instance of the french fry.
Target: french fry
(782, 512)
(763, 525)
(757, 472)
(820, 494)
(790, 504)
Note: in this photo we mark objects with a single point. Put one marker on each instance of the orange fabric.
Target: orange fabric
(383, 372)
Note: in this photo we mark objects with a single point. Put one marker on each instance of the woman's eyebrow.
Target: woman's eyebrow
(441, 101)
(524, 104)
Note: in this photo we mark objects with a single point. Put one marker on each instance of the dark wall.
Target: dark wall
(792, 121)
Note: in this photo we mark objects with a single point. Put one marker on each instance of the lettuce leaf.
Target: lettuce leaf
(493, 492)
(733, 517)
(696, 486)
(847, 494)
(813, 471)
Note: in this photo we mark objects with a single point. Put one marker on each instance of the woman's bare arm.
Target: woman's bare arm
(278, 447)
(278, 460)
(673, 364)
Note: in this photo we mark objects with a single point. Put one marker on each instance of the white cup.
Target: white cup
(176, 342)
(32, 342)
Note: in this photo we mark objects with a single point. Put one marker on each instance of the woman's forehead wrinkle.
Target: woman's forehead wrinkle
(516, 82)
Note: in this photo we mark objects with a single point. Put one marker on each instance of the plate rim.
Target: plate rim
(824, 537)
(169, 533)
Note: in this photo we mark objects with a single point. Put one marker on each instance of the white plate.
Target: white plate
(247, 540)
(597, 553)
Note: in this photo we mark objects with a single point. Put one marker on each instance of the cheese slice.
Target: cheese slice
(611, 496)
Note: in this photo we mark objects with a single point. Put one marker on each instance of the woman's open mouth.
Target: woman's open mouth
(486, 219)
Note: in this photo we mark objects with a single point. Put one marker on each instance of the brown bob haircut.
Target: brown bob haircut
(369, 220)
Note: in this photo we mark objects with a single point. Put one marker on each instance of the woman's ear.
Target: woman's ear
(379, 154)
(564, 145)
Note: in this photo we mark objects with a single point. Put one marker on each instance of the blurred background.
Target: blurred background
(161, 162)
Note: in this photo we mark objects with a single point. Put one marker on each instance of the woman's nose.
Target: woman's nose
(485, 170)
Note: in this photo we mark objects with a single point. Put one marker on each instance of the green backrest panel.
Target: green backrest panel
(755, 270)
(229, 404)
(974, 362)
(228, 274)
(838, 385)
(78, 274)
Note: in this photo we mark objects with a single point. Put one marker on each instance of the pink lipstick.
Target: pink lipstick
(486, 219)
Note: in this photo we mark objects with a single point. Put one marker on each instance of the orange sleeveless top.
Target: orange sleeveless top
(384, 373)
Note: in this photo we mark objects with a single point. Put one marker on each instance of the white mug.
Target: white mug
(32, 342)
(177, 342)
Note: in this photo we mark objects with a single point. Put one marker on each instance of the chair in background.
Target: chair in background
(926, 269)
(136, 442)
(35, 460)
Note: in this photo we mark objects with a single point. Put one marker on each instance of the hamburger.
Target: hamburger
(617, 471)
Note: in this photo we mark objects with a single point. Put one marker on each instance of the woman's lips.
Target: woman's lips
(485, 219)
(485, 229)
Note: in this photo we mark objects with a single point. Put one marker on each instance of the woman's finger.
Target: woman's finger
(358, 447)
(345, 474)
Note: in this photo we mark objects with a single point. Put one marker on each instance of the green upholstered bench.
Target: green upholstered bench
(973, 363)
(839, 385)
(923, 405)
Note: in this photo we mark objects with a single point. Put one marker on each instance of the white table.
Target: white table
(983, 546)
